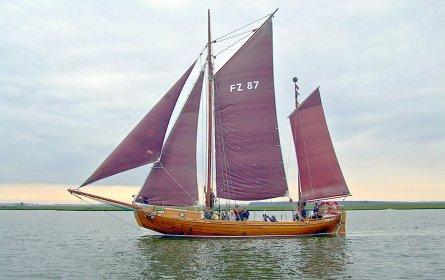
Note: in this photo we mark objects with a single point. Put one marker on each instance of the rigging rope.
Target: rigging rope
(166, 171)
(137, 120)
(219, 39)
(232, 45)
(225, 35)
(119, 219)
(236, 35)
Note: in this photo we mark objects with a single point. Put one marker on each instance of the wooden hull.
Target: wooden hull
(189, 223)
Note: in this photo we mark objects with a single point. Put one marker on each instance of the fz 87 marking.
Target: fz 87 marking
(253, 85)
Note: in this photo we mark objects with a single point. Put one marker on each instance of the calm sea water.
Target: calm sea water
(92, 245)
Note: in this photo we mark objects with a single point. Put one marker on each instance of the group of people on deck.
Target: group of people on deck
(242, 214)
(301, 213)
(235, 214)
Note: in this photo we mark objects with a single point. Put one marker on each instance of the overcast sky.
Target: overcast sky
(76, 76)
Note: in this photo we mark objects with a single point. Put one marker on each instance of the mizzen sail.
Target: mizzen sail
(249, 163)
(143, 144)
(172, 181)
(319, 171)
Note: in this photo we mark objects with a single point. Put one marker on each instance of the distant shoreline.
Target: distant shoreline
(348, 205)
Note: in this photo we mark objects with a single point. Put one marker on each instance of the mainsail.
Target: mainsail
(249, 163)
(172, 181)
(143, 144)
(319, 172)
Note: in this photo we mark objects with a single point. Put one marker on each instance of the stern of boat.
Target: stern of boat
(341, 228)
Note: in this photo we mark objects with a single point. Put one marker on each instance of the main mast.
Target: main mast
(209, 192)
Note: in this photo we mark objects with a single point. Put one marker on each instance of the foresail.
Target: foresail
(173, 180)
(249, 164)
(319, 171)
(143, 144)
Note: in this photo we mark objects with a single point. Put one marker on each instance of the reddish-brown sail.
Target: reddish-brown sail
(172, 181)
(319, 172)
(143, 144)
(249, 163)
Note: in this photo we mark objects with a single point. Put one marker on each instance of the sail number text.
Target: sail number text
(244, 86)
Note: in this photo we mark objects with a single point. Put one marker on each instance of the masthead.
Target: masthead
(295, 80)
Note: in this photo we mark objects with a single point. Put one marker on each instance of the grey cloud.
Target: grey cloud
(74, 77)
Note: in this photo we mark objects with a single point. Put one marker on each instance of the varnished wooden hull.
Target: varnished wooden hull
(168, 223)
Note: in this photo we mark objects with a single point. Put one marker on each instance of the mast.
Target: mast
(209, 192)
(295, 80)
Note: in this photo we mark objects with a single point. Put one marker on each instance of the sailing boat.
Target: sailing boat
(246, 152)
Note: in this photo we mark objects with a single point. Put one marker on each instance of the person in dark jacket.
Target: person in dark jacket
(303, 210)
(244, 215)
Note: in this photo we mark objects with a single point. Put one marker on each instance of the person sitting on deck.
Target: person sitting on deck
(295, 214)
(232, 215)
(303, 212)
(224, 215)
(244, 215)
(227, 215)
(237, 212)
(142, 200)
(271, 218)
(208, 214)
(315, 211)
(300, 214)
(215, 216)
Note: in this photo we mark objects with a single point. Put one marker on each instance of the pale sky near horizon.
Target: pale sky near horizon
(76, 76)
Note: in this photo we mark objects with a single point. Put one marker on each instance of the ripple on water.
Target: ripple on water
(85, 245)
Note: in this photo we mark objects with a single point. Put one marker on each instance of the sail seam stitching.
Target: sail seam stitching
(226, 166)
(305, 153)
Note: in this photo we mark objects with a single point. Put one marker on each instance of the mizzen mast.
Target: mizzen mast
(209, 191)
(297, 103)
(295, 80)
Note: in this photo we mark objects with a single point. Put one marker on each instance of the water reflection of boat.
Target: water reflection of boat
(271, 258)
(320, 258)
(242, 142)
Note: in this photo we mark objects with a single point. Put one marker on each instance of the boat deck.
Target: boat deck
(183, 222)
